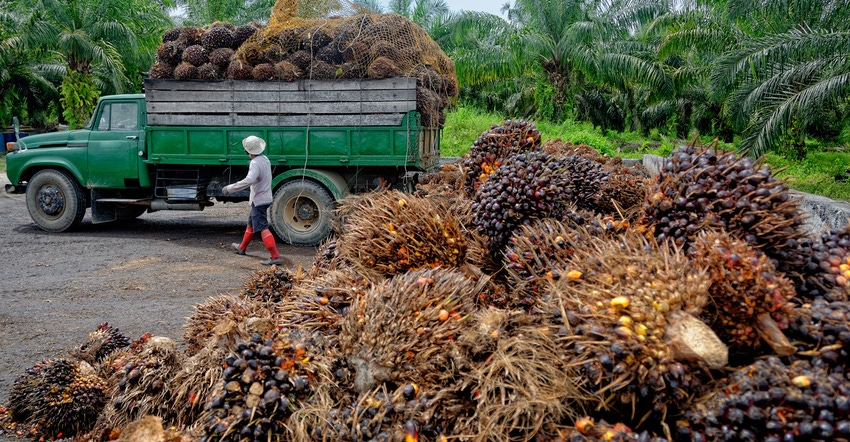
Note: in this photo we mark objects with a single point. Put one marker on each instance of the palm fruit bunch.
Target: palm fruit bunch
(217, 37)
(209, 71)
(535, 252)
(196, 55)
(239, 70)
(103, 341)
(523, 385)
(533, 255)
(189, 35)
(322, 302)
(141, 381)
(527, 187)
(623, 193)
(58, 398)
(749, 299)
(221, 57)
(493, 147)
(585, 179)
(709, 188)
(185, 71)
(270, 285)
(827, 267)
(380, 415)
(218, 316)
(821, 331)
(287, 71)
(170, 53)
(626, 313)
(588, 429)
(161, 70)
(264, 382)
(242, 33)
(772, 401)
(403, 329)
(398, 232)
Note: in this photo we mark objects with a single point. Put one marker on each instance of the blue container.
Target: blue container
(9, 137)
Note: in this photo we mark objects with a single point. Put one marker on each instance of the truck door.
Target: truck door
(114, 146)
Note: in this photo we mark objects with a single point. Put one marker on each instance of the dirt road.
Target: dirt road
(141, 276)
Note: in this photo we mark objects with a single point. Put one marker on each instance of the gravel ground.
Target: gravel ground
(144, 275)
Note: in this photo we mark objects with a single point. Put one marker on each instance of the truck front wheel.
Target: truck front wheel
(302, 213)
(55, 201)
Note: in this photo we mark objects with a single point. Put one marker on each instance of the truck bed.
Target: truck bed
(349, 123)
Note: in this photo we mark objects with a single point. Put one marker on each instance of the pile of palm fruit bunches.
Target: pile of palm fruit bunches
(374, 46)
(526, 292)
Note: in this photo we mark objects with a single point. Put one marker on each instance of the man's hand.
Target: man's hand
(225, 190)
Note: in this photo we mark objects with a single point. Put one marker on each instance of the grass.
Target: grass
(815, 174)
(3, 163)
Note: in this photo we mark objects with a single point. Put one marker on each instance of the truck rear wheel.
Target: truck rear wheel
(55, 201)
(302, 213)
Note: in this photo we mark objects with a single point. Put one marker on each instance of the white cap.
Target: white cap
(254, 145)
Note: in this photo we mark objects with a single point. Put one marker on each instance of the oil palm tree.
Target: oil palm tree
(93, 39)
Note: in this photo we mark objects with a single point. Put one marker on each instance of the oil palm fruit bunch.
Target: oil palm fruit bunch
(269, 285)
(185, 71)
(527, 187)
(218, 316)
(103, 341)
(171, 35)
(381, 415)
(217, 37)
(827, 267)
(221, 57)
(196, 55)
(821, 331)
(322, 302)
(170, 53)
(189, 35)
(585, 179)
(709, 188)
(533, 255)
(772, 401)
(588, 429)
(241, 34)
(626, 313)
(398, 232)
(264, 381)
(58, 398)
(239, 70)
(403, 329)
(493, 147)
(140, 384)
(623, 193)
(748, 299)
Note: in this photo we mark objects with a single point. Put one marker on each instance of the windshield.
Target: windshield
(90, 124)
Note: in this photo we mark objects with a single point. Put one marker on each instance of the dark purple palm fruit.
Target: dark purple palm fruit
(221, 57)
(217, 37)
(492, 147)
(196, 55)
(241, 34)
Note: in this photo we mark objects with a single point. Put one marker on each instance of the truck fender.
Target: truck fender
(333, 181)
(32, 167)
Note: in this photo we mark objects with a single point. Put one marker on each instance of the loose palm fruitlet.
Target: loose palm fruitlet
(103, 341)
(821, 331)
(527, 187)
(771, 401)
(269, 285)
(626, 313)
(403, 329)
(397, 232)
(58, 398)
(492, 148)
(709, 188)
(748, 299)
(827, 267)
(264, 381)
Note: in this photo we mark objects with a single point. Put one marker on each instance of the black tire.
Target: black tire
(129, 211)
(302, 213)
(55, 201)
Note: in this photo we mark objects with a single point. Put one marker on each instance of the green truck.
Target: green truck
(178, 144)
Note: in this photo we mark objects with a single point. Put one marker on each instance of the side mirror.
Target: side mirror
(17, 126)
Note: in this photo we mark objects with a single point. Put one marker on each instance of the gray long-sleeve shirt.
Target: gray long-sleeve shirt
(259, 179)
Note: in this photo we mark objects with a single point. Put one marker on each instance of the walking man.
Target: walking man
(259, 179)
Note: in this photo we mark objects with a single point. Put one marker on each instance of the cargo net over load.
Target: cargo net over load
(343, 44)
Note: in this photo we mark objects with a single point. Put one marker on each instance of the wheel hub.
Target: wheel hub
(50, 200)
(306, 210)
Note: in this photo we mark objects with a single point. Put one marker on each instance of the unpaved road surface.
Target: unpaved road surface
(145, 275)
